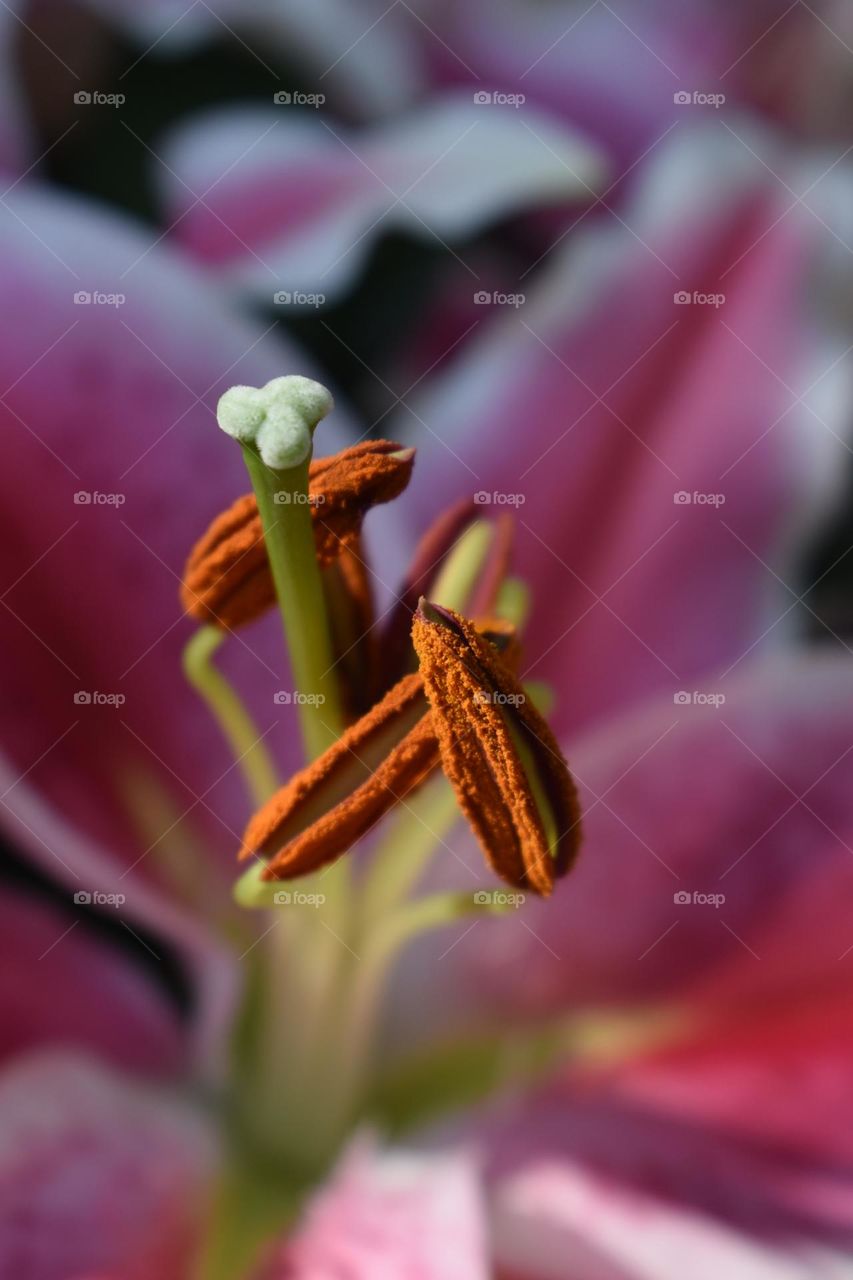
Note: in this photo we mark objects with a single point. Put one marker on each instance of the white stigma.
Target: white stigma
(278, 419)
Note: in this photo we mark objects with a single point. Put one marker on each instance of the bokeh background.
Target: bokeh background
(594, 261)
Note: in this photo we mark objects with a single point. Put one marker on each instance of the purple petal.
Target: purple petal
(269, 197)
(595, 407)
(391, 1216)
(66, 986)
(744, 808)
(97, 1177)
(116, 403)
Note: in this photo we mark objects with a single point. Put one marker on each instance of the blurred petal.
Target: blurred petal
(602, 404)
(611, 69)
(97, 1177)
(284, 200)
(114, 463)
(553, 1210)
(744, 808)
(373, 56)
(768, 1057)
(64, 984)
(391, 1216)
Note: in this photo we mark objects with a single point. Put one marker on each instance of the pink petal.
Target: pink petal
(98, 1178)
(118, 400)
(551, 1211)
(363, 58)
(698, 799)
(279, 195)
(768, 1058)
(60, 984)
(391, 1216)
(612, 69)
(148, 1035)
(598, 402)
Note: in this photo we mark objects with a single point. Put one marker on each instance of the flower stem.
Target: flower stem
(237, 725)
(286, 516)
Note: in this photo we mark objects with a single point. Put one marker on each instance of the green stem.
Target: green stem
(286, 517)
(239, 729)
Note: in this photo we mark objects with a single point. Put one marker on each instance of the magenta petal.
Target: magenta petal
(551, 1210)
(699, 800)
(116, 403)
(768, 1059)
(110, 998)
(98, 1178)
(60, 985)
(596, 407)
(391, 1216)
(266, 194)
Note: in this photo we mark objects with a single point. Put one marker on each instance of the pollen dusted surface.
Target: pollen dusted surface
(227, 580)
(299, 826)
(462, 673)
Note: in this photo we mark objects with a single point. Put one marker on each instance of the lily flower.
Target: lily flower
(553, 1172)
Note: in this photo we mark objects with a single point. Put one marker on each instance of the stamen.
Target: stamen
(227, 580)
(329, 805)
(504, 763)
